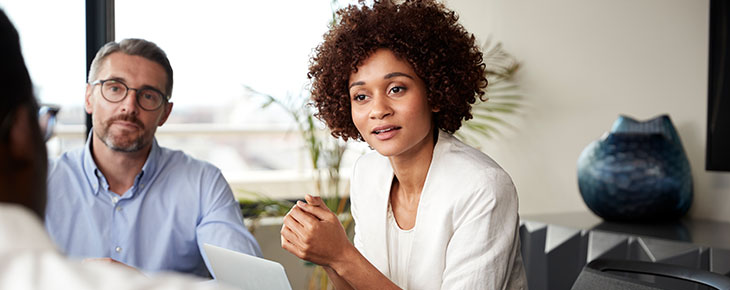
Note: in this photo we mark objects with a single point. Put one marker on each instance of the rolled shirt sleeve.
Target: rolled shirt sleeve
(221, 223)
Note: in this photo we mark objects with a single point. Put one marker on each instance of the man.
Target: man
(123, 197)
(29, 258)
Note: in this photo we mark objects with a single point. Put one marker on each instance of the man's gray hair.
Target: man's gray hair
(133, 46)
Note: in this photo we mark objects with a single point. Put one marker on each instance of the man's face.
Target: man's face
(125, 126)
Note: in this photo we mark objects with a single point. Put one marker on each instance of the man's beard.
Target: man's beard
(121, 144)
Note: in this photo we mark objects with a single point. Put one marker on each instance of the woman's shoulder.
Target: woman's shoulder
(463, 160)
(469, 180)
(468, 175)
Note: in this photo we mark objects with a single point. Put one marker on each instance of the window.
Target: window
(221, 52)
(53, 41)
(218, 50)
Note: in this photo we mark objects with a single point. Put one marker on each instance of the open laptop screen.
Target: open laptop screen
(245, 271)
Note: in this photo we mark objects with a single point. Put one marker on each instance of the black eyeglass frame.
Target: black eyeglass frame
(47, 120)
(165, 98)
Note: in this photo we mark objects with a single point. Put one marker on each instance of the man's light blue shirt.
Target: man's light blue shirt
(176, 204)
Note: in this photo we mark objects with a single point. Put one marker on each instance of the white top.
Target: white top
(399, 250)
(466, 232)
(31, 261)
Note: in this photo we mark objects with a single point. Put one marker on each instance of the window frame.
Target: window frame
(99, 31)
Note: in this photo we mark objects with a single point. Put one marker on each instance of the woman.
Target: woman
(430, 212)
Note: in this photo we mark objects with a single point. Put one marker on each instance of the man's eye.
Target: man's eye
(113, 88)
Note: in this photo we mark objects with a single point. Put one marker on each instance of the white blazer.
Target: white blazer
(466, 234)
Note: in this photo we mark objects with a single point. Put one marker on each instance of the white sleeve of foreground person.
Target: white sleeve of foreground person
(29, 260)
(47, 270)
(40, 271)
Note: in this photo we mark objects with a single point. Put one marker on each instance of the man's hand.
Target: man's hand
(313, 233)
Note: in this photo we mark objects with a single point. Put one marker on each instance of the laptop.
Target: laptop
(245, 271)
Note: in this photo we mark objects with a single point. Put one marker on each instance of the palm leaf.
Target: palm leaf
(502, 97)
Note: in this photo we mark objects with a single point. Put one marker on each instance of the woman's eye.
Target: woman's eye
(396, 90)
(359, 97)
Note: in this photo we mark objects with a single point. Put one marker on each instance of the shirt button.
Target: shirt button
(118, 249)
(115, 199)
(119, 208)
(141, 185)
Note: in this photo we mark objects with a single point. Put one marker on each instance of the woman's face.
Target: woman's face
(389, 105)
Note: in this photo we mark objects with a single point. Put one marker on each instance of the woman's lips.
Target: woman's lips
(383, 133)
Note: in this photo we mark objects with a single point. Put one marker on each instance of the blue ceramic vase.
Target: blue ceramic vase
(636, 172)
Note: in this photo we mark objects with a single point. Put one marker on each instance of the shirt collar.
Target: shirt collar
(95, 177)
(150, 166)
(90, 168)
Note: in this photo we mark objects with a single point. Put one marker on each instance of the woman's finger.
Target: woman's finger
(294, 226)
(291, 248)
(289, 235)
(321, 212)
(302, 216)
(314, 200)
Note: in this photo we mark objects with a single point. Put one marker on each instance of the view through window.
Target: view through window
(53, 42)
(222, 52)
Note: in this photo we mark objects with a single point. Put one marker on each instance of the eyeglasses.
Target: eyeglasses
(47, 120)
(114, 91)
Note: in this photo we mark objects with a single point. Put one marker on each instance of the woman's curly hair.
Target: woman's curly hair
(422, 32)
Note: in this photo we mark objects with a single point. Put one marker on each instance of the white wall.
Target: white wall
(584, 63)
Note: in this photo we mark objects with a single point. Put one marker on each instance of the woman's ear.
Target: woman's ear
(435, 109)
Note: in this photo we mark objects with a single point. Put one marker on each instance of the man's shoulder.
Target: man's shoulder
(69, 161)
(73, 155)
(173, 159)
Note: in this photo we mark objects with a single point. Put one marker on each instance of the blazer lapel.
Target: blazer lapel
(431, 200)
(374, 210)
